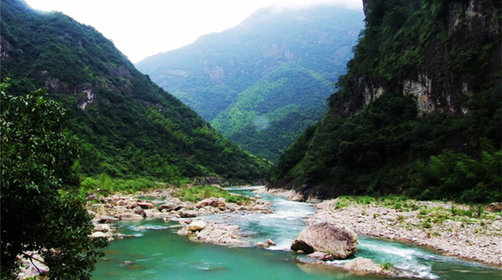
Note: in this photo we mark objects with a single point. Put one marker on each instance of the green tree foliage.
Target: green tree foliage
(387, 145)
(451, 174)
(40, 210)
(267, 117)
(128, 125)
(263, 82)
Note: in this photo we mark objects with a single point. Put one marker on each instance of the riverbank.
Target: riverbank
(450, 228)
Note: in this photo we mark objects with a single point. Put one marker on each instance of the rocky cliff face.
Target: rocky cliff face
(446, 63)
(424, 88)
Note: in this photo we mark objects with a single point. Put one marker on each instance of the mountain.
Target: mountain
(128, 126)
(418, 112)
(265, 80)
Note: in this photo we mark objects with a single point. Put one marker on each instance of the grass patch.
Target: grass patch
(387, 266)
(198, 193)
(105, 184)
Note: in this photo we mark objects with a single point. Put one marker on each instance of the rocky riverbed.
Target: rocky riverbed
(427, 223)
(451, 229)
(478, 239)
(164, 204)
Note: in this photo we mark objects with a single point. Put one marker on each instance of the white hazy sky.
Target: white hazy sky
(141, 28)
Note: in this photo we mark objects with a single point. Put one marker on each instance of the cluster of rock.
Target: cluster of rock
(477, 239)
(212, 232)
(121, 207)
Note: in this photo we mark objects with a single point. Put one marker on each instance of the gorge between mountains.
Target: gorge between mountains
(307, 143)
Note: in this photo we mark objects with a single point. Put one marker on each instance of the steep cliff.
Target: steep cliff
(440, 52)
(420, 100)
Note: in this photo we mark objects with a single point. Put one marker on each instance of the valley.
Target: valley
(313, 142)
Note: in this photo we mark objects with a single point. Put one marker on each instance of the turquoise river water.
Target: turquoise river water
(156, 252)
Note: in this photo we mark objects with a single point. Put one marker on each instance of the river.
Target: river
(157, 252)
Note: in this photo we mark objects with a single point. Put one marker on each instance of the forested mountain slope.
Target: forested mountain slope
(264, 81)
(128, 125)
(419, 110)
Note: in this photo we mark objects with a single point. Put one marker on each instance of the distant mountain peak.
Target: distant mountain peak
(275, 65)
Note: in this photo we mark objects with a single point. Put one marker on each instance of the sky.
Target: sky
(141, 28)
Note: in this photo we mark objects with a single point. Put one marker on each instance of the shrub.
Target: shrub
(198, 193)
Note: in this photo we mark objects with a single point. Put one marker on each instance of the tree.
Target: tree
(40, 207)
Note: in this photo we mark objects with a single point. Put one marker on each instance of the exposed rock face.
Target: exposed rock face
(441, 75)
(340, 242)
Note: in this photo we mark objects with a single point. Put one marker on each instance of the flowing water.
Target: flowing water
(155, 251)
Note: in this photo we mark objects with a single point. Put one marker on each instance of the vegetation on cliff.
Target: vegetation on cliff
(128, 126)
(262, 82)
(419, 110)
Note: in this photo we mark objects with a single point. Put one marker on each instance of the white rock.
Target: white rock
(197, 225)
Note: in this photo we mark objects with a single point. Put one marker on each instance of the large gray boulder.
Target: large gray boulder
(340, 242)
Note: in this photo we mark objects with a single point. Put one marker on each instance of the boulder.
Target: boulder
(183, 231)
(261, 244)
(321, 256)
(363, 266)
(145, 205)
(197, 225)
(168, 207)
(270, 242)
(102, 227)
(494, 207)
(129, 217)
(99, 234)
(107, 219)
(138, 210)
(187, 213)
(340, 242)
(212, 201)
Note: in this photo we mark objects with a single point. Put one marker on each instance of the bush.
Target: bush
(107, 184)
(458, 176)
(198, 193)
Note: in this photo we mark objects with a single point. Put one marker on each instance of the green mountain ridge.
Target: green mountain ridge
(275, 60)
(419, 111)
(128, 125)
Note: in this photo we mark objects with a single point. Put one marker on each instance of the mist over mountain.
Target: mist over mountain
(264, 81)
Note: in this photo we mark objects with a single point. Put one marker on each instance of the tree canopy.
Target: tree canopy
(40, 209)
